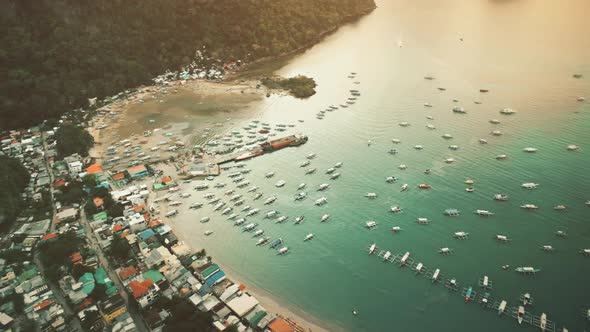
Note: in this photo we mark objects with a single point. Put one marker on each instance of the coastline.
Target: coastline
(104, 137)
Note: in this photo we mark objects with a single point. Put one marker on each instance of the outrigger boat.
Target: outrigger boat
(371, 224)
(196, 205)
(310, 170)
(404, 260)
(299, 219)
(468, 294)
(547, 248)
(300, 196)
(270, 200)
(325, 218)
(461, 235)
(529, 206)
(526, 299)
(502, 307)
(371, 249)
(585, 252)
(258, 233)
(543, 322)
(529, 185)
(308, 237)
(252, 212)
(387, 256)
(323, 186)
(276, 243)
(239, 222)
(257, 196)
(390, 179)
(527, 270)
(451, 212)
(271, 214)
(404, 187)
(396, 229)
(559, 207)
(502, 238)
(250, 227)
(422, 221)
(395, 209)
(561, 233)
(445, 251)
(281, 219)
(501, 197)
(301, 186)
(484, 213)
(485, 282)
(204, 219)
(371, 195)
(520, 314)
(305, 163)
(435, 275)
(321, 201)
(283, 251)
(262, 241)
(419, 268)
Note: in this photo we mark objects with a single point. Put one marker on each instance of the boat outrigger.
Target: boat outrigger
(371, 249)
(527, 270)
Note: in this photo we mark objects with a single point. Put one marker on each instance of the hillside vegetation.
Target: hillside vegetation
(54, 54)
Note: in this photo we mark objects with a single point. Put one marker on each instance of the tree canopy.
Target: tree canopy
(73, 139)
(14, 177)
(55, 54)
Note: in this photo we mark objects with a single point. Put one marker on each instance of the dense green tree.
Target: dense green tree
(185, 317)
(120, 248)
(13, 179)
(73, 139)
(54, 54)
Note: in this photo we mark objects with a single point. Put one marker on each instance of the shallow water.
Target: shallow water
(525, 53)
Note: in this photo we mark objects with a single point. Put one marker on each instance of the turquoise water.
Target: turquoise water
(502, 51)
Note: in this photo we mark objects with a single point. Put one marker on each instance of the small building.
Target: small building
(138, 171)
(112, 308)
(67, 215)
(144, 292)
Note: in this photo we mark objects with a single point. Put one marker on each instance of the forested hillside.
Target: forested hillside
(54, 54)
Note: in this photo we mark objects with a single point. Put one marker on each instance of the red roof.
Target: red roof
(59, 183)
(94, 169)
(136, 169)
(42, 305)
(166, 179)
(139, 289)
(76, 258)
(280, 325)
(117, 228)
(49, 236)
(119, 176)
(127, 272)
(86, 303)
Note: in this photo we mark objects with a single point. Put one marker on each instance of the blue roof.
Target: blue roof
(146, 234)
(217, 276)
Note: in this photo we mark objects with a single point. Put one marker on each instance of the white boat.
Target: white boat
(305, 163)
(484, 213)
(257, 196)
(310, 171)
(311, 156)
(483, 141)
(204, 219)
(422, 221)
(301, 186)
(502, 238)
(396, 229)
(507, 111)
(335, 176)
(520, 314)
(258, 233)
(308, 237)
(323, 186)
(461, 235)
(530, 150)
(387, 256)
(529, 185)
(449, 160)
(226, 210)
(404, 124)
(372, 248)
(561, 233)
(270, 200)
(252, 189)
(459, 110)
(175, 203)
(280, 183)
(395, 141)
(431, 127)
(299, 220)
(171, 213)
(427, 105)
(496, 133)
(500, 197)
(271, 214)
(447, 136)
(300, 196)
(371, 195)
(572, 147)
(330, 170)
(435, 275)
(429, 117)
(396, 209)
(207, 233)
(338, 165)
(269, 174)
(402, 167)
(444, 250)
(454, 147)
(502, 307)
(283, 251)
(581, 99)
(404, 187)
(321, 201)
(494, 121)
(418, 147)
(252, 212)
(250, 227)
(325, 218)
(195, 205)
(239, 222)
(262, 241)
(529, 206)
(371, 224)
(547, 247)
(390, 179)
(501, 157)
(543, 322)
(281, 219)
(185, 195)
(559, 207)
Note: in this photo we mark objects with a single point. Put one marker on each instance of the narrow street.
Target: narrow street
(104, 262)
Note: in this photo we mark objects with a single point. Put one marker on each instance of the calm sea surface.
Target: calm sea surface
(525, 53)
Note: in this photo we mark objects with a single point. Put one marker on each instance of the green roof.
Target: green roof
(153, 275)
(87, 281)
(101, 216)
(254, 320)
(110, 291)
(28, 273)
(209, 271)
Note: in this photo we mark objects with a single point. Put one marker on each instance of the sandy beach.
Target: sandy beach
(147, 102)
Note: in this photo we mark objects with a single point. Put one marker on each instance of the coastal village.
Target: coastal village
(125, 269)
